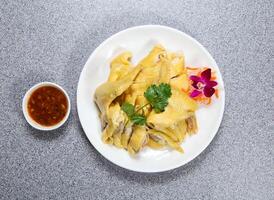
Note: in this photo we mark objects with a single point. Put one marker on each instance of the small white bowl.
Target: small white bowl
(33, 123)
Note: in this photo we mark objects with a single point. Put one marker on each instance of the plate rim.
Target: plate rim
(180, 164)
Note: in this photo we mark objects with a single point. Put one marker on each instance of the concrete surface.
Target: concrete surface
(51, 40)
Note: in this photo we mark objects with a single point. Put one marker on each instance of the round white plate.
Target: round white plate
(139, 40)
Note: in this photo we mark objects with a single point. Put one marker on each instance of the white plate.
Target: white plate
(139, 40)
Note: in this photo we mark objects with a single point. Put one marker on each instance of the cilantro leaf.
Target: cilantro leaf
(158, 96)
(128, 108)
(134, 117)
(160, 106)
(151, 93)
(138, 119)
(164, 90)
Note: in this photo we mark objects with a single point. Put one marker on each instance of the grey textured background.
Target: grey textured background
(51, 41)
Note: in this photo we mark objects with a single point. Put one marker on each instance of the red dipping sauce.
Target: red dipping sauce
(47, 105)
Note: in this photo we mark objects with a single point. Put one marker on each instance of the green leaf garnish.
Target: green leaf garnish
(158, 96)
(128, 108)
(134, 117)
(138, 119)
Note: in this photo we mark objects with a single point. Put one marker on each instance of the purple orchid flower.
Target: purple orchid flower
(203, 84)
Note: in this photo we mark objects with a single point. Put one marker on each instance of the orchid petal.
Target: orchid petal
(208, 91)
(211, 83)
(195, 93)
(206, 75)
(194, 84)
(195, 78)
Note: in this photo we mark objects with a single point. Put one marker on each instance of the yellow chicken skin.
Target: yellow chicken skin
(140, 124)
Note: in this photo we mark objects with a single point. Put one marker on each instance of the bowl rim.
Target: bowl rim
(33, 123)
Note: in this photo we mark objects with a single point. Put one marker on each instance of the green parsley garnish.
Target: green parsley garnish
(134, 117)
(129, 109)
(157, 96)
(138, 119)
